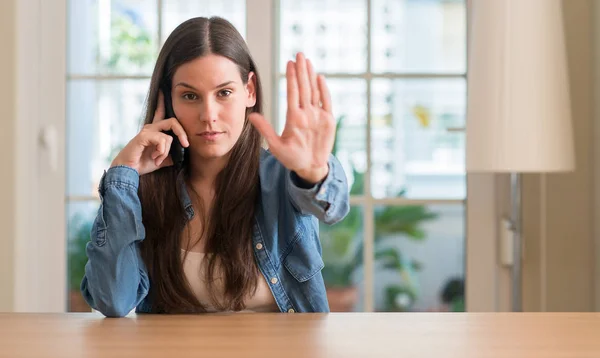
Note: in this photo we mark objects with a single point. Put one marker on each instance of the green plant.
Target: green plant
(79, 236)
(343, 247)
(132, 48)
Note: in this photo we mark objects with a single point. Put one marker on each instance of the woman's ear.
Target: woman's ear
(251, 90)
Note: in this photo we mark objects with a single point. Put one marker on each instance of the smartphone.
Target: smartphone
(177, 151)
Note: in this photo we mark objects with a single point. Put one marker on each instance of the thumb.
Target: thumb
(166, 163)
(265, 129)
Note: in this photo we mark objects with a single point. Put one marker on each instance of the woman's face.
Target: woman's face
(210, 100)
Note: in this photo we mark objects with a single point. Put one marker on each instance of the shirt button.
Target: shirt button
(259, 246)
(274, 280)
(322, 191)
(291, 310)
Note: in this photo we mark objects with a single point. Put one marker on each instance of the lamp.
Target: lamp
(518, 109)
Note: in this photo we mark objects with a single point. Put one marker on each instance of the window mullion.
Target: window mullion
(159, 25)
(369, 219)
(260, 16)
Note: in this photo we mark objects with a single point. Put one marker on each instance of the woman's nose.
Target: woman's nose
(209, 112)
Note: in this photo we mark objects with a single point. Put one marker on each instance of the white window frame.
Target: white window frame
(40, 249)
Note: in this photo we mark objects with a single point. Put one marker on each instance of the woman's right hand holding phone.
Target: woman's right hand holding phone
(149, 149)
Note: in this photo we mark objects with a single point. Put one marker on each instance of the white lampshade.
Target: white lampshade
(518, 112)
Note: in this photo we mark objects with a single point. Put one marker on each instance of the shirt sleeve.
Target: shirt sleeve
(327, 200)
(116, 279)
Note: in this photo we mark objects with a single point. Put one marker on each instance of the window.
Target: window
(396, 71)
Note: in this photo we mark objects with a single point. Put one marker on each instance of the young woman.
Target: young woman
(232, 227)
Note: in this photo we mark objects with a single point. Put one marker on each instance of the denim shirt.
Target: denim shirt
(285, 238)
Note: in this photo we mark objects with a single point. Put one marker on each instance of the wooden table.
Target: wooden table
(302, 335)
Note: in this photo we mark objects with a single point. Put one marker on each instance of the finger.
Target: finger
(325, 95)
(174, 125)
(155, 154)
(265, 129)
(159, 114)
(154, 139)
(292, 85)
(160, 149)
(166, 163)
(303, 82)
(165, 154)
(313, 84)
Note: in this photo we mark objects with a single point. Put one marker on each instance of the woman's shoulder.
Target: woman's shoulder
(272, 174)
(267, 158)
(270, 167)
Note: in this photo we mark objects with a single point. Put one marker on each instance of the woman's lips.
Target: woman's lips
(211, 135)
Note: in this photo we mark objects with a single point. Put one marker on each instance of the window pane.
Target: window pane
(343, 257)
(349, 101)
(80, 216)
(177, 11)
(102, 116)
(414, 154)
(418, 36)
(419, 258)
(332, 33)
(112, 37)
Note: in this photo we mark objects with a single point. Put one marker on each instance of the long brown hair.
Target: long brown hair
(228, 226)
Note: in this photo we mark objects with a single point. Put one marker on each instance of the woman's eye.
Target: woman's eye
(224, 93)
(190, 96)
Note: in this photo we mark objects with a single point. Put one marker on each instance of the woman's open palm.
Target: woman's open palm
(307, 138)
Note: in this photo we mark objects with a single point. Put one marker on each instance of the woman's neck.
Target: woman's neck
(203, 172)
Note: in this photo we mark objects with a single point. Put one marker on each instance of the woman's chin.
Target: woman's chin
(211, 152)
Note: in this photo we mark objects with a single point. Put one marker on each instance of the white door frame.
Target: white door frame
(483, 282)
(39, 243)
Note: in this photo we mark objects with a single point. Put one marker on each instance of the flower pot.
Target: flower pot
(342, 299)
(77, 303)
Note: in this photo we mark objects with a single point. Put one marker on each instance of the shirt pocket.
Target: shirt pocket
(304, 259)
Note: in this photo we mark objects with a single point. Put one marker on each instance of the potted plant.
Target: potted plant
(401, 221)
(79, 236)
(343, 249)
(341, 254)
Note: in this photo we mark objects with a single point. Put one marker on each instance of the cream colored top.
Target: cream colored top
(195, 272)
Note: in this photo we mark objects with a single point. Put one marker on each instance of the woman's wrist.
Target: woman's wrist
(313, 176)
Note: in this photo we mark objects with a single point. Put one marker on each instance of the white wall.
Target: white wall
(558, 210)
(7, 174)
(596, 125)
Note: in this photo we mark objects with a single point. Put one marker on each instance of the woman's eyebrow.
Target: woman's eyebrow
(224, 84)
(183, 84)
